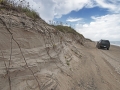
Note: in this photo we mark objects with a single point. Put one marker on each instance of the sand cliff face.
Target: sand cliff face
(32, 49)
(36, 56)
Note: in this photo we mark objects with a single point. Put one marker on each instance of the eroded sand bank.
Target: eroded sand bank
(69, 66)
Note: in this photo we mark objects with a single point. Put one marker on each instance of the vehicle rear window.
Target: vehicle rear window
(105, 41)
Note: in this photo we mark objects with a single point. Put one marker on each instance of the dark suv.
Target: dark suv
(103, 44)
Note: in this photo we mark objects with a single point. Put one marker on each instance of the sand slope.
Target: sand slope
(38, 57)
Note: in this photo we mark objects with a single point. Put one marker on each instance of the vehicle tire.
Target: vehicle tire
(107, 48)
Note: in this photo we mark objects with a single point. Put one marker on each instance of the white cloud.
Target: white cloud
(104, 4)
(74, 19)
(111, 5)
(104, 27)
(50, 9)
(66, 6)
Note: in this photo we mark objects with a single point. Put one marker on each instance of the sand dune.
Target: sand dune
(42, 58)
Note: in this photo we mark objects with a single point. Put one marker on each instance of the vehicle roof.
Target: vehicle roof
(104, 40)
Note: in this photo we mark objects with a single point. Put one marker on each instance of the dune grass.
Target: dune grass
(67, 29)
(21, 6)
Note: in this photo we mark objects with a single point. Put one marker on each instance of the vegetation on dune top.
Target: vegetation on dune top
(66, 29)
(20, 6)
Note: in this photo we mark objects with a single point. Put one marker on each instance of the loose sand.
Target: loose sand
(74, 67)
(38, 57)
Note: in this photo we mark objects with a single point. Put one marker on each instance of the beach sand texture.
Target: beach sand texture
(43, 59)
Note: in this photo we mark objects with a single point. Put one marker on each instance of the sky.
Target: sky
(95, 19)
